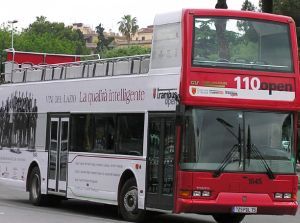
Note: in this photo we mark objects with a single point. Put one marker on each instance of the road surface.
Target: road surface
(15, 208)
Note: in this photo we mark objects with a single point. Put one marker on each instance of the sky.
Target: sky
(93, 12)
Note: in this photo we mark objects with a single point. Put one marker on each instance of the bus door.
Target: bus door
(161, 150)
(58, 155)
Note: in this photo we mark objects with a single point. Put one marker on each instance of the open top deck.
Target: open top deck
(21, 73)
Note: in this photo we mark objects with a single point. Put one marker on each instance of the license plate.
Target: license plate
(244, 210)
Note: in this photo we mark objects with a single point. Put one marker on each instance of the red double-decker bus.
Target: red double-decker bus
(239, 100)
(205, 124)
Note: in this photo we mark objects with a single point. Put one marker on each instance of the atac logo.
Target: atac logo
(194, 90)
(169, 95)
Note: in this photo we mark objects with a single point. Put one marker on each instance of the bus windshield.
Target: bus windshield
(250, 141)
(241, 44)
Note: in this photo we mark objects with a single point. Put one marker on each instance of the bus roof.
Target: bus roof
(239, 13)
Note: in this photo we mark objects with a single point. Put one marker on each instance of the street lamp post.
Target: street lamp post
(12, 32)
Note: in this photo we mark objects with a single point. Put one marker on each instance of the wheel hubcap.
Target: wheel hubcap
(130, 200)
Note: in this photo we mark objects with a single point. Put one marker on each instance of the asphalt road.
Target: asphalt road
(15, 208)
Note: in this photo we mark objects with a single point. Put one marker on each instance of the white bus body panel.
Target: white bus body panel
(14, 165)
(90, 176)
(133, 93)
(97, 176)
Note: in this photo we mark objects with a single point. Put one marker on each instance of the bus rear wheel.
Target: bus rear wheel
(228, 218)
(35, 195)
(128, 202)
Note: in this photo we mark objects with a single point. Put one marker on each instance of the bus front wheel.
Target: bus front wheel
(228, 218)
(128, 202)
(35, 195)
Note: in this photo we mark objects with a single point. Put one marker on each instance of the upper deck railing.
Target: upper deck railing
(15, 73)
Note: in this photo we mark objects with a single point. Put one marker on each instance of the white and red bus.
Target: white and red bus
(205, 124)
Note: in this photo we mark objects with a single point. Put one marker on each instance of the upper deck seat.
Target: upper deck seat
(122, 67)
(34, 75)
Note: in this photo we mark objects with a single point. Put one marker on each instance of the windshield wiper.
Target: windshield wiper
(233, 150)
(226, 161)
(227, 126)
(251, 148)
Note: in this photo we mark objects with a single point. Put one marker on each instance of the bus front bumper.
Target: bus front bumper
(226, 203)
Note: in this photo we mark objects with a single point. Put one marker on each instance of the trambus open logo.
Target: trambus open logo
(169, 95)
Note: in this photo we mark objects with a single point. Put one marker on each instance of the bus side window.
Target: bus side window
(131, 133)
(81, 133)
(105, 128)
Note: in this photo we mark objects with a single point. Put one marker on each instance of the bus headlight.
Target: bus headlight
(278, 195)
(197, 193)
(283, 196)
(202, 193)
(205, 193)
(287, 195)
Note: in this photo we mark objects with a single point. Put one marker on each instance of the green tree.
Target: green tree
(5, 41)
(205, 39)
(280, 6)
(284, 7)
(126, 51)
(104, 42)
(128, 27)
(289, 8)
(248, 6)
(266, 6)
(220, 31)
(45, 36)
(245, 26)
(221, 4)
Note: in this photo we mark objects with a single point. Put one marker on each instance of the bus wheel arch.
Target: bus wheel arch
(125, 177)
(128, 198)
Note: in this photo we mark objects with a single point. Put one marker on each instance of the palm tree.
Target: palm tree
(220, 31)
(267, 5)
(128, 27)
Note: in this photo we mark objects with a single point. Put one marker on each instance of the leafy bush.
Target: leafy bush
(126, 51)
